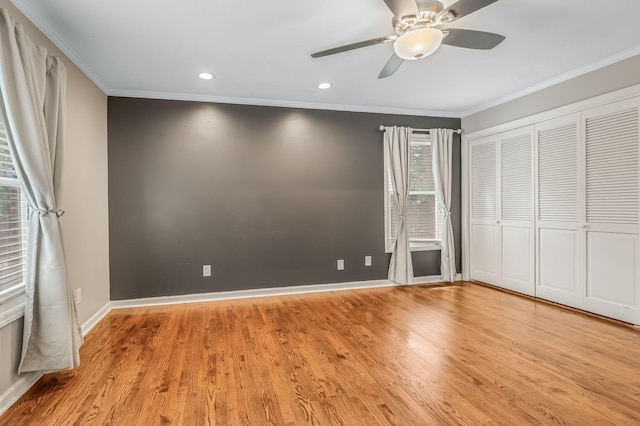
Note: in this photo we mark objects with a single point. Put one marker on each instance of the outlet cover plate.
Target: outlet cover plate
(206, 270)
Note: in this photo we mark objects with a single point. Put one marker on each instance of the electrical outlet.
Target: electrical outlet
(340, 264)
(367, 261)
(206, 270)
(78, 296)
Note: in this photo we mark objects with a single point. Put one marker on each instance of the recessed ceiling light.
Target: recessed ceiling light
(324, 85)
(206, 76)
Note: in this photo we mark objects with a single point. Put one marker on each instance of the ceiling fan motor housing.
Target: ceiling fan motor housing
(430, 15)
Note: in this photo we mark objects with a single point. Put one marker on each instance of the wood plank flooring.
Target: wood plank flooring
(414, 355)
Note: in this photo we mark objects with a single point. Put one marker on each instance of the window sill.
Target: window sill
(419, 247)
(11, 305)
(425, 246)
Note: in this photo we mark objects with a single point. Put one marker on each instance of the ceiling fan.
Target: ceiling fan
(421, 27)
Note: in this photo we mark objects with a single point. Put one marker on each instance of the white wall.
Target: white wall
(83, 197)
(604, 80)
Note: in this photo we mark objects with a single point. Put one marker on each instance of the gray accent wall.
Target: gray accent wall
(268, 196)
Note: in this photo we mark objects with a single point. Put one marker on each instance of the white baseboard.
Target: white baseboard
(95, 318)
(244, 294)
(16, 390)
(264, 292)
(24, 383)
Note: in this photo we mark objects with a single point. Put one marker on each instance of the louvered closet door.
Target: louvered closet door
(516, 234)
(483, 236)
(611, 206)
(559, 277)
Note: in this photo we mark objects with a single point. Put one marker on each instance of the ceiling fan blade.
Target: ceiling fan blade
(471, 39)
(352, 46)
(467, 7)
(401, 8)
(391, 66)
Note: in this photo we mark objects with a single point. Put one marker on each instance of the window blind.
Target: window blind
(13, 221)
(422, 219)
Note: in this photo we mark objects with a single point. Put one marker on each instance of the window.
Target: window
(422, 218)
(13, 227)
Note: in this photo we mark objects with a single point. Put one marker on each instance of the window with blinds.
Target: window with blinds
(13, 222)
(422, 219)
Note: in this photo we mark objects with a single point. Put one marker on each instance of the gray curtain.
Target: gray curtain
(32, 90)
(442, 148)
(398, 144)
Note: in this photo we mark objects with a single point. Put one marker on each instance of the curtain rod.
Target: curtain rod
(458, 131)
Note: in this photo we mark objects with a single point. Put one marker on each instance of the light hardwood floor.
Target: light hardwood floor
(413, 355)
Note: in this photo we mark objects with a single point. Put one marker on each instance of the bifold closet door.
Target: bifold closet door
(483, 238)
(610, 231)
(516, 232)
(559, 275)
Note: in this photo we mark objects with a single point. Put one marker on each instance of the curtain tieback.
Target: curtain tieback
(402, 215)
(56, 212)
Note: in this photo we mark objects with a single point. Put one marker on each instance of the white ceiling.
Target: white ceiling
(259, 50)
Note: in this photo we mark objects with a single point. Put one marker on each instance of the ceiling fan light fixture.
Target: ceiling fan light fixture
(418, 43)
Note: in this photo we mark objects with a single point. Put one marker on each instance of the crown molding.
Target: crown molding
(280, 103)
(550, 114)
(26, 9)
(593, 66)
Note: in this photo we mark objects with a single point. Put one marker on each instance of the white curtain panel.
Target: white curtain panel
(32, 90)
(398, 143)
(442, 147)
